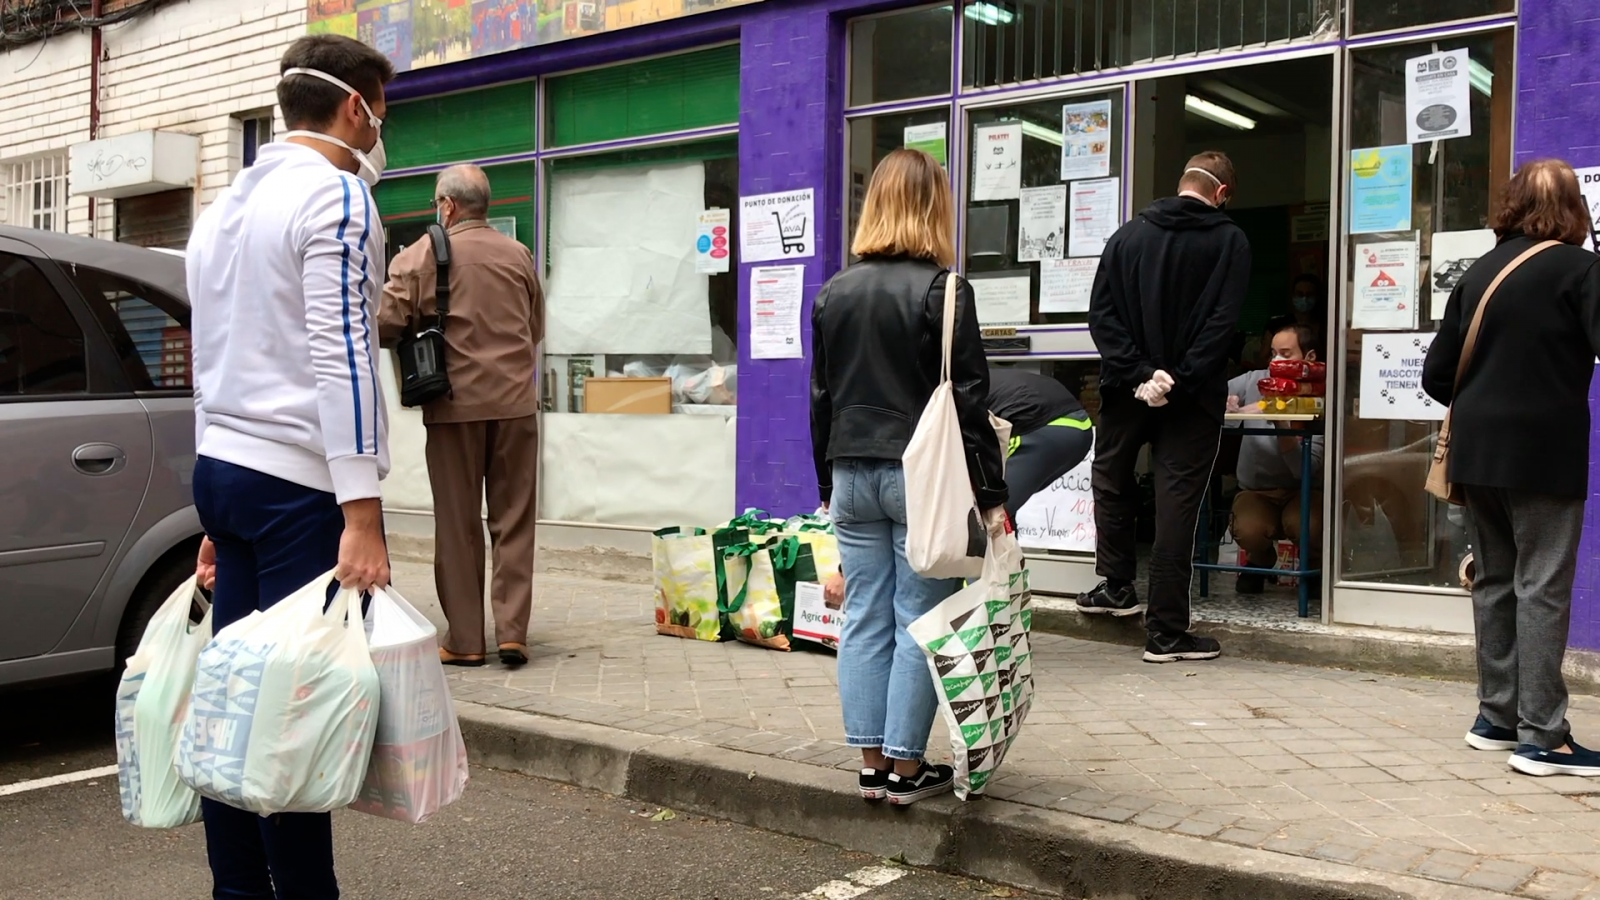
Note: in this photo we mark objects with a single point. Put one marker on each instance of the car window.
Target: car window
(41, 345)
(147, 328)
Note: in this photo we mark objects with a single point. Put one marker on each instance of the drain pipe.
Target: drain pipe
(96, 47)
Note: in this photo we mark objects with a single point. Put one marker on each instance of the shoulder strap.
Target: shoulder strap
(952, 295)
(1471, 342)
(441, 259)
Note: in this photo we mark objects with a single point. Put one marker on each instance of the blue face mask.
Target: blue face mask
(1303, 303)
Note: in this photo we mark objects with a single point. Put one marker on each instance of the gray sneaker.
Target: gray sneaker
(1104, 601)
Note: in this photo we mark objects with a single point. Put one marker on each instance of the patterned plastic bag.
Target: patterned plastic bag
(977, 644)
(419, 761)
(151, 699)
(284, 708)
(690, 582)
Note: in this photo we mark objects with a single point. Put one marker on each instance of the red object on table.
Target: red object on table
(1298, 370)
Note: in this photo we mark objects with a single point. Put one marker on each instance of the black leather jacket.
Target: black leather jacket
(876, 330)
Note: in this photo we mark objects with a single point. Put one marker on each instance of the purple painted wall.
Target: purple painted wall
(1558, 114)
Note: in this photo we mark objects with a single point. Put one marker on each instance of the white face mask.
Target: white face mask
(370, 162)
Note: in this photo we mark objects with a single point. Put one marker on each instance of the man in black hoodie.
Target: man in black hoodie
(1163, 313)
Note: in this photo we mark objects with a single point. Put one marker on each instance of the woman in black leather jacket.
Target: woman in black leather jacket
(876, 331)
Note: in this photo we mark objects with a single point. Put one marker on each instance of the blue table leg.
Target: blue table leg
(1305, 524)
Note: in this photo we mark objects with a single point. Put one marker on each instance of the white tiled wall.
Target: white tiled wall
(187, 67)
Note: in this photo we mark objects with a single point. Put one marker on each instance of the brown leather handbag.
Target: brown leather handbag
(1439, 483)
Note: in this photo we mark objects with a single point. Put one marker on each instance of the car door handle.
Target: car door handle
(99, 459)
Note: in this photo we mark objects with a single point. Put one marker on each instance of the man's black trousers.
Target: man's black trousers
(1183, 439)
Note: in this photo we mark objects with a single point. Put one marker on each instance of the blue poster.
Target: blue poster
(1380, 189)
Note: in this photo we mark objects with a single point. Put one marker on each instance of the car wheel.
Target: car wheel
(167, 576)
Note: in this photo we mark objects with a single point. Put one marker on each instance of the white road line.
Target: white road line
(22, 787)
(857, 883)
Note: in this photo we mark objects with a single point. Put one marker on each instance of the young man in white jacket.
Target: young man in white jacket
(284, 274)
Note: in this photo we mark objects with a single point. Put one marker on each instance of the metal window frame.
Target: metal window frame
(1365, 601)
(23, 179)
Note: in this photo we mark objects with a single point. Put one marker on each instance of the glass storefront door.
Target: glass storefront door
(1417, 217)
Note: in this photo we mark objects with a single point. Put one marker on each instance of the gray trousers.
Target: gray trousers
(1526, 547)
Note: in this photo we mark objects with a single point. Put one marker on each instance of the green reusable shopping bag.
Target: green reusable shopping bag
(690, 582)
(761, 579)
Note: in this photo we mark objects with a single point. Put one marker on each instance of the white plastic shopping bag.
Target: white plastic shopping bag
(977, 645)
(419, 761)
(284, 709)
(944, 529)
(152, 697)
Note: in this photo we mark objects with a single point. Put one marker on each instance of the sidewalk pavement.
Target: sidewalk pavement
(1333, 766)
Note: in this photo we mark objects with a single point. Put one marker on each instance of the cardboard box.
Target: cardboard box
(631, 396)
(813, 620)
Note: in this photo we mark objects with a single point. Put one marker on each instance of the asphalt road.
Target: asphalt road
(509, 837)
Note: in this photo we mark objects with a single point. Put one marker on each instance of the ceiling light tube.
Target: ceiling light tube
(1482, 79)
(989, 14)
(1219, 114)
(1042, 133)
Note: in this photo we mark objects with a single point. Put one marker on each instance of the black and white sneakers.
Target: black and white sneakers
(1105, 600)
(874, 783)
(930, 781)
(1177, 648)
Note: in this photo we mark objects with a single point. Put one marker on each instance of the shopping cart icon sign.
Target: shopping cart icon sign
(792, 231)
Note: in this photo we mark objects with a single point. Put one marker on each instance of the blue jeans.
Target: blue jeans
(272, 537)
(884, 683)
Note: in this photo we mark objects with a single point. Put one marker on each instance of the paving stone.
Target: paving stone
(1360, 769)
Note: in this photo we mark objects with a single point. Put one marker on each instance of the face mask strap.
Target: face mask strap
(372, 118)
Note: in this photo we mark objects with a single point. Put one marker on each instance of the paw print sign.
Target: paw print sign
(1391, 378)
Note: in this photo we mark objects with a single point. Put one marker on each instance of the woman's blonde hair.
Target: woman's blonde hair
(908, 210)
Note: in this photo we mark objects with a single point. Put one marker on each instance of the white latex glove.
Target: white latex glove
(1151, 393)
(1163, 380)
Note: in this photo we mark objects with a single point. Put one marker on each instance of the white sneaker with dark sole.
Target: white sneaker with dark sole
(930, 781)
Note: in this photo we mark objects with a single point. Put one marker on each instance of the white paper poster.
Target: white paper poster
(1061, 517)
(1065, 284)
(776, 293)
(1454, 252)
(1094, 211)
(1391, 377)
(778, 226)
(1003, 299)
(1589, 183)
(712, 250)
(1386, 286)
(1042, 226)
(1086, 140)
(1438, 97)
(622, 269)
(997, 162)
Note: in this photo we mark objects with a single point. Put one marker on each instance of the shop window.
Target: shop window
(1383, 15)
(641, 350)
(148, 329)
(1044, 190)
(407, 205)
(431, 130)
(654, 96)
(41, 345)
(874, 137)
(1009, 41)
(900, 56)
(1414, 212)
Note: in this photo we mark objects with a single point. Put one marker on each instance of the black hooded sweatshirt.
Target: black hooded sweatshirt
(1167, 296)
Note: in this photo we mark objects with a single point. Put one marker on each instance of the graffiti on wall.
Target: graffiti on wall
(415, 34)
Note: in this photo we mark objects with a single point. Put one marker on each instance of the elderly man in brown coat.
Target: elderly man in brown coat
(485, 433)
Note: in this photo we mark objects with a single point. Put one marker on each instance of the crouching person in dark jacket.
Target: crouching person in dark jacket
(1164, 308)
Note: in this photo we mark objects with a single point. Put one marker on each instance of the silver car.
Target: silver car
(97, 518)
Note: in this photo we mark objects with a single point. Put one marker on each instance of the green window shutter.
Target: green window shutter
(409, 199)
(653, 96)
(459, 127)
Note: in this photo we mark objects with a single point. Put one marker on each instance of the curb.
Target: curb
(1051, 852)
(1449, 657)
